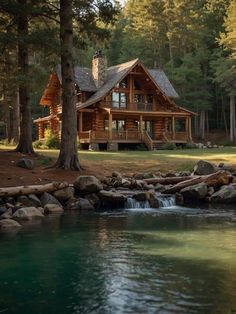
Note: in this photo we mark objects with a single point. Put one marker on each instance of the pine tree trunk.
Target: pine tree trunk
(202, 124)
(16, 118)
(6, 115)
(25, 140)
(232, 118)
(68, 157)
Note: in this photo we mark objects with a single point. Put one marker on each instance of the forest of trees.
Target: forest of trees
(194, 41)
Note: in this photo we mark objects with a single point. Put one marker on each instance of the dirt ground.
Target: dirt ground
(12, 175)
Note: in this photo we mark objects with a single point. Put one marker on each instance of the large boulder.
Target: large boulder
(7, 214)
(79, 204)
(53, 208)
(204, 167)
(226, 194)
(8, 224)
(64, 194)
(88, 184)
(112, 198)
(3, 209)
(25, 163)
(141, 196)
(47, 198)
(25, 201)
(27, 213)
(194, 192)
(94, 200)
(35, 200)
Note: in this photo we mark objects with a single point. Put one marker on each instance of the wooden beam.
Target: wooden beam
(190, 128)
(81, 122)
(110, 126)
(86, 110)
(173, 127)
(141, 124)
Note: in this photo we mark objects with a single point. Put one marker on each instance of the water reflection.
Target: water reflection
(121, 263)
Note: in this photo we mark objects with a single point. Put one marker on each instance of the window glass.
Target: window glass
(115, 100)
(180, 125)
(139, 98)
(137, 85)
(122, 84)
(119, 100)
(150, 99)
(120, 125)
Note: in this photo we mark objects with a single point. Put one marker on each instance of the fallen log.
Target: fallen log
(168, 180)
(32, 189)
(215, 180)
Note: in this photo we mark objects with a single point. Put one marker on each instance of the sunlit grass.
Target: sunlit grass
(166, 160)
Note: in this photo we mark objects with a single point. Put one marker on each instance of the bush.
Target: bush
(169, 146)
(51, 141)
(190, 145)
(5, 142)
(38, 144)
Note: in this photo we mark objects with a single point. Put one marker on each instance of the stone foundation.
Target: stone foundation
(94, 146)
(112, 146)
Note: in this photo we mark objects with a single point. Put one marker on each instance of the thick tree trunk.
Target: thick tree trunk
(25, 140)
(232, 118)
(68, 157)
(16, 118)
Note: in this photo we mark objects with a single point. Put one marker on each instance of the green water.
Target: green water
(129, 262)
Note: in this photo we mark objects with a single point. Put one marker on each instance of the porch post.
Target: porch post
(110, 126)
(190, 128)
(141, 125)
(173, 127)
(80, 122)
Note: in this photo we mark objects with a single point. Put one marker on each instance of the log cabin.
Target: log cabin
(125, 104)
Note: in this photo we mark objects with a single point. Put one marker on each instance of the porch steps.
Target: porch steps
(157, 145)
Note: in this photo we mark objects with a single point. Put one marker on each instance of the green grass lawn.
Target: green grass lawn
(133, 161)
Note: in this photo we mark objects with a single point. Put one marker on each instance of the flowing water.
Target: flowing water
(171, 260)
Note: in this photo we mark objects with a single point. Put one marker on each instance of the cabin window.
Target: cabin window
(139, 98)
(118, 125)
(150, 99)
(122, 84)
(180, 125)
(119, 100)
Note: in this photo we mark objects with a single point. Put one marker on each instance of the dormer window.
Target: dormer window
(122, 84)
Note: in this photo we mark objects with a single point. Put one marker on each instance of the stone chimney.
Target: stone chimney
(99, 68)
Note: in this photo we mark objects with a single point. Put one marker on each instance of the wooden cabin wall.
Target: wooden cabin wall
(158, 128)
(131, 125)
(99, 121)
(87, 121)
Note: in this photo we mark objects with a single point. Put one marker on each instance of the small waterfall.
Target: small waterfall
(133, 203)
(166, 200)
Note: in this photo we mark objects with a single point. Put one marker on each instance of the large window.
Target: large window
(119, 100)
(118, 125)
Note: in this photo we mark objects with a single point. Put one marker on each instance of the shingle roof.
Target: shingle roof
(114, 75)
(83, 78)
(163, 82)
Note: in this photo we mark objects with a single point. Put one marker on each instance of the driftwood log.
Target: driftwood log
(216, 180)
(168, 180)
(32, 189)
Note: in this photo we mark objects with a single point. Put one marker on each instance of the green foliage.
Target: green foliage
(51, 141)
(169, 146)
(190, 145)
(38, 144)
(6, 142)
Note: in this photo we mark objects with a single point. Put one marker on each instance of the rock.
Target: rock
(64, 194)
(226, 167)
(35, 200)
(25, 163)
(179, 199)
(88, 184)
(79, 204)
(10, 200)
(25, 201)
(112, 197)
(226, 194)
(138, 176)
(141, 196)
(3, 209)
(125, 183)
(116, 174)
(194, 192)
(170, 175)
(154, 201)
(210, 190)
(159, 187)
(204, 167)
(53, 208)
(47, 198)
(7, 214)
(8, 224)
(9, 205)
(27, 213)
(41, 209)
(94, 200)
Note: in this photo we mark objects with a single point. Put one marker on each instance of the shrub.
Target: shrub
(190, 145)
(169, 146)
(38, 144)
(51, 140)
(5, 142)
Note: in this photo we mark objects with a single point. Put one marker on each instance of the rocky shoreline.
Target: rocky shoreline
(206, 183)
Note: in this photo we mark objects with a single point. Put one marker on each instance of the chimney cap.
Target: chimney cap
(98, 54)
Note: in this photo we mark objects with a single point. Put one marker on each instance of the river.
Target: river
(172, 260)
